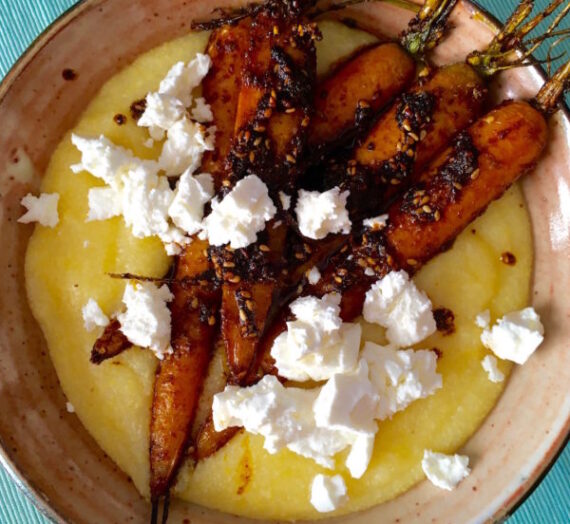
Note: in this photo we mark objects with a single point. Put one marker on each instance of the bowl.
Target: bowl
(48, 452)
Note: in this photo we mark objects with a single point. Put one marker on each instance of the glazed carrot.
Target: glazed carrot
(194, 309)
(179, 378)
(221, 87)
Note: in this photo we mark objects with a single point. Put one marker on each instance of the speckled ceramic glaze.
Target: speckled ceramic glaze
(47, 450)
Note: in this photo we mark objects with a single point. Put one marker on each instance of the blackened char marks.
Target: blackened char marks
(371, 187)
(425, 204)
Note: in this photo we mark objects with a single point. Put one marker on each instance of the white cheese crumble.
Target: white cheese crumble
(185, 145)
(202, 112)
(285, 200)
(93, 315)
(515, 336)
(174, 96)
(41, 209)
(317, 344)
(445, 471)
(69, 407)
(375, 223)
(347, 403)
(319, 214)
(483, 319)
(146, 321)
(400, 376)
(397, 304)
(285, 418)
(187, 206)
(241, 214)
(328, 492)
(313, 275)
(489, 364)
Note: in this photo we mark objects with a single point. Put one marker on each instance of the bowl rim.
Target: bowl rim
(34, 495)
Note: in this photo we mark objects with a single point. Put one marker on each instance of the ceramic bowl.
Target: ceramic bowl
(49, 453)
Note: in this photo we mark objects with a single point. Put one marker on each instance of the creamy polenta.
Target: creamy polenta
(68, 265)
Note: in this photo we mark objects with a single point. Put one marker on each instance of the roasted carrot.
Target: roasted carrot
(195, 307)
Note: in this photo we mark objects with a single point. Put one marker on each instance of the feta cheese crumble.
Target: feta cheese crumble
(483, 319)
(397, 304)
(93, 315)
(186, 142)
(69, 407)
(165, 107)
(41, 209)
(400, 376)
(515, 336)
(187, 207)
(317, 344)
(319, 214)
(376, 223)
(328, 493)
(313, 275)
(146, 321)
(240, 215)
(489, 364)
(285, 418)
(445, 471)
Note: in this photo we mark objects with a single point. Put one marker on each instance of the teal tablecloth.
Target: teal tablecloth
(20, 22)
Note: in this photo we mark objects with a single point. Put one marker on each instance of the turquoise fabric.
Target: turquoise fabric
(23, 20)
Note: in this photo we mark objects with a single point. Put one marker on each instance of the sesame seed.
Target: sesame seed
(290, 158)
(426, 209)
(264, 248)
(211, 320)
(412, 262)
(242, 315)
(475, 174)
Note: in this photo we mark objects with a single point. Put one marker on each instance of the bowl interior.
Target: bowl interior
(49, 451)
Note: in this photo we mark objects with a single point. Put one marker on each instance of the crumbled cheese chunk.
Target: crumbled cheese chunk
(284, 417)
(167, 106)
(328, 493)
(187, 207)
(445, 471)
(41, 209)
(202, 112)
(103, 159)
(285, 200)
(182, 79)
(400, 376)
(516, 336)
(104, 203)
(317, 344)
(489, 364)
(483, 319)
(161, 113)
(146, 321)
(69, 407)
(348, 403)
(240, 215)
(313, 275)
(375, 223)
(93, 315)
(319, 214)
(397, 304)
(185, 145)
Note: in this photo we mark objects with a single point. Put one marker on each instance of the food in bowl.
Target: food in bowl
(113, 399)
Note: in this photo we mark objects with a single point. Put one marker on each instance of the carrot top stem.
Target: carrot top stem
(428, 27)
(552, 90)
(501, 53)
